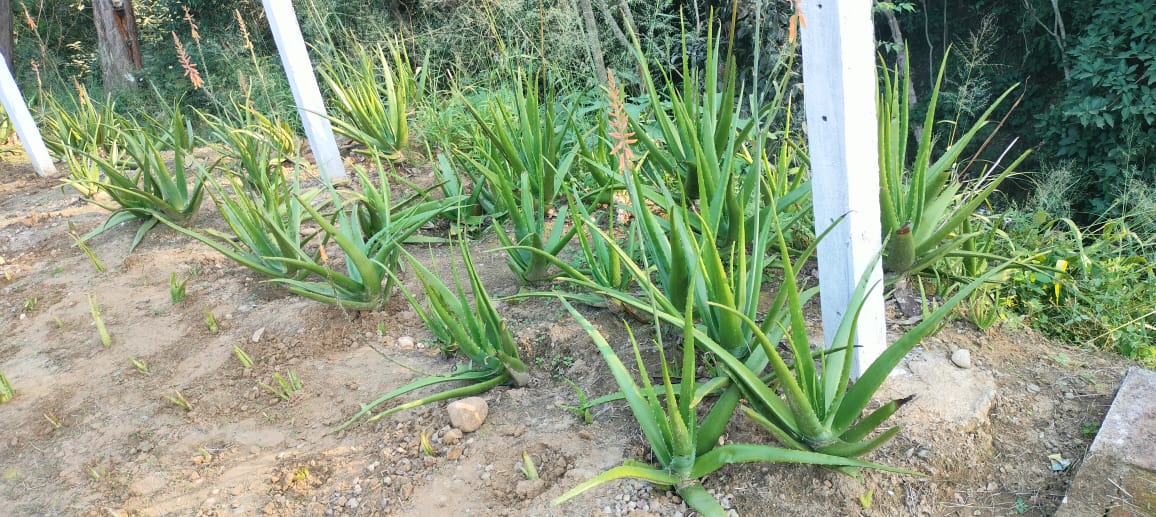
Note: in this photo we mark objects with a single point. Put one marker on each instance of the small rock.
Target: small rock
(455, 453)
(405, 342)
(1032, 388)
(527, 489)
(452, 436)
(257, 335)
(351, 503)
(962, 358)
(468, 414)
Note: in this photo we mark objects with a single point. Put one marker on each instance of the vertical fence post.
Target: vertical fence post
(299, 70)
(839, 92)
(23, 122)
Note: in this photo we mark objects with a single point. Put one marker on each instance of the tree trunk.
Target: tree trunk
(117, 43)
(6, 31)
(592, 40)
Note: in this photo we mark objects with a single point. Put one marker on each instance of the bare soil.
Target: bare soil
(90, 434)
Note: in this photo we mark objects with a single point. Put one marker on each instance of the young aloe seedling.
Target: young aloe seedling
(246, 361)
(140, 365)
(105, 338)
(528, 468)
(426, 446)
(179, 400)
(55, 422)
(6, 391)
(211, 322)
(582, 410)
(177, 288)
(78, 241)
(287, 385)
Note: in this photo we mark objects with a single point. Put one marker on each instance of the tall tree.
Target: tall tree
(118, 44)
(6, 31)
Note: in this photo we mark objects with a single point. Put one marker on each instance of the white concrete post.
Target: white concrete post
(23, 122)
(839, 91)
(299, 70)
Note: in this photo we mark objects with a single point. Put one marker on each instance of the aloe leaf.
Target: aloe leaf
(746, 453)
(635, 398)
(650, 474)
(463, 375)
(860, 393)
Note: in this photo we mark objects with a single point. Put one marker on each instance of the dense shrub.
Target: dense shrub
(1105, 116)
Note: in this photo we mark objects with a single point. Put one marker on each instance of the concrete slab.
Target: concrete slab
(1118, 475)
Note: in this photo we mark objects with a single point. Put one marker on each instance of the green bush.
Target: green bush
(1105, 117)
(1093, 288)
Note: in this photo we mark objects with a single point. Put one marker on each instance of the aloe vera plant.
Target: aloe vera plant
(370, 231)
(702, 140)
(478, 332)
(682, 436)
(85, 125)
(819, 409)
(373, 108)
(254, 155)
(926, 205)
(368, 227)
(263, 226)
(154, 192)
(523, 165)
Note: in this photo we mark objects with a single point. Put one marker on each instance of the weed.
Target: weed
(301, 474)
(30, 304)
(246, 361)
(179, 400)
(94, 308)
(1090, 429)
(285, 387)
(866, 498)
(558, 364)
(1021, 507)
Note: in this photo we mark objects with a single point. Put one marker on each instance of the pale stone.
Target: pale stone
(452, 436)
(468, 414)
(962, 358)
